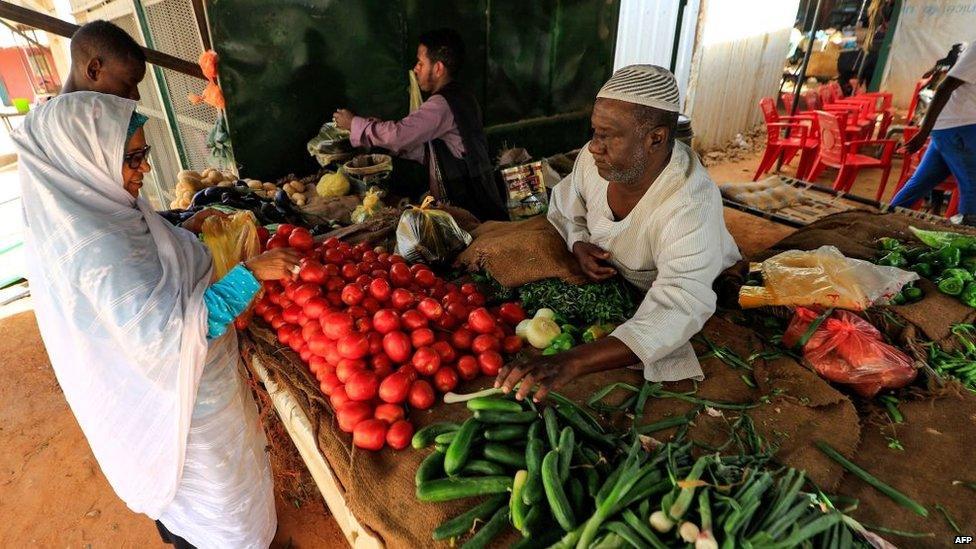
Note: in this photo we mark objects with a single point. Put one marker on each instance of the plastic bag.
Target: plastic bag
(371, 206)
(847, 349)
(823, 277)
(428, 235)
(231, 239)
(527, 195)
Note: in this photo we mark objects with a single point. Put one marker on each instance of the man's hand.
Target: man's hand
(195, 223)
(914, 144)
(274, 264)
(592, 259)
(548, 373)
(343, 119)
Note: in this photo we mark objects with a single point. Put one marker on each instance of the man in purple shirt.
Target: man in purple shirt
(445, 133)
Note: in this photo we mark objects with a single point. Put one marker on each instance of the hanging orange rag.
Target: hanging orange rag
(211, 94)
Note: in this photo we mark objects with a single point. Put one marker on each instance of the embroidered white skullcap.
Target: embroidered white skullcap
(648, 85)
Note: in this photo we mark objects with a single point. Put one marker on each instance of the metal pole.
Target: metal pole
(800, 78)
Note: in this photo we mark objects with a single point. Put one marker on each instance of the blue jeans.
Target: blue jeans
(951, 152)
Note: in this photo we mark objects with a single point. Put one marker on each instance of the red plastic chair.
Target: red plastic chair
(776, 143)
(910, 164)
(835, 152)
(811, 101)
(884, 124)
(787, 99)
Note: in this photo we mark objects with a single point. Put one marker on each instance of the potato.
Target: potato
(300, 200)
(209, 172)
(225, 183)
(269, 187)
(252, 184)
(174, 204)
(288, 188)
(192, 174)
(298, 186)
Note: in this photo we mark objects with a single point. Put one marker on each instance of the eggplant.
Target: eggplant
(207, 196)
(281, 199)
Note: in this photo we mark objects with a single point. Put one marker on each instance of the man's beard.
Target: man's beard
(631, 175)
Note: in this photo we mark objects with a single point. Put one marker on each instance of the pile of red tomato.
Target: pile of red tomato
(381, 335)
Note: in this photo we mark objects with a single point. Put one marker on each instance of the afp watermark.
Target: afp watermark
(963, 540)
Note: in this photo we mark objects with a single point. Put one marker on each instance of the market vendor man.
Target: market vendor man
(445, 133)
(640, 205)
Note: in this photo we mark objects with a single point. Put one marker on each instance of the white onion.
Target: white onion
(522, 329)
(688, 531)
(541, 331)
(661, 522)
(545, 313)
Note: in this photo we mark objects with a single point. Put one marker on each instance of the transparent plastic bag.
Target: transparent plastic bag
(231, 239)
(823, 277)
(845, 348)
(428, 235)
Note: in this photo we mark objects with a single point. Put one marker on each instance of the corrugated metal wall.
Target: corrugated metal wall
(738, 60)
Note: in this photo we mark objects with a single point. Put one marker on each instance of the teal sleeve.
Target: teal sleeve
(227, 298)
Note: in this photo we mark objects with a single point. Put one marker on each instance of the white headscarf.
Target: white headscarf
(118, 294)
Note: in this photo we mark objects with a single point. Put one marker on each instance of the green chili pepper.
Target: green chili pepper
(951, 285)
(889, 244)
(562, 342)
(923, 269)
(968, 295)
(913, 294)
(570, 329)
(549, 351)
(950, 256)
(913, 252)
(961, 274)
(597, 331)
(894, 259)
(898, 299)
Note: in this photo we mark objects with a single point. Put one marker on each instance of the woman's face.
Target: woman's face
(136, 154)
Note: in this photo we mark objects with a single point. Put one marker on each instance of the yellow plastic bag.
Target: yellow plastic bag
(823, 277)
(371, 206)
(428, 235)
(231, 239)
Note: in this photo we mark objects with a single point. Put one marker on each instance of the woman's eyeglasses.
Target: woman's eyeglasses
(135, 158)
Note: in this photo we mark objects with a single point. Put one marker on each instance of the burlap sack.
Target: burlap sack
(519, 252)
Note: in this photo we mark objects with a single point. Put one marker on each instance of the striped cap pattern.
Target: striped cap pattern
(648, 85)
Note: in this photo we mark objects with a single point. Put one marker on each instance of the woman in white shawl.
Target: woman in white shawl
(136, 329)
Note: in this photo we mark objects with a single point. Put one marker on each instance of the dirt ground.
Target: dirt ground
(52, 492)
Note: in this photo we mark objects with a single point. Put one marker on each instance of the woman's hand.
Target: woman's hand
(274, 264)
(195, 223)
(592, 259)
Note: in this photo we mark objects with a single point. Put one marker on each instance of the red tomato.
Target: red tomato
(335, 299)
(356, 312)
(312, 271)
(397, 346)
(332, 355)
(331, 270)
(300, 239)
(352, 294)
(475, 300)
(305, 354)
(284, 230)
(381, 364)
(426, 361)
(467, 367)
(481, 321)
(277, 242)
(399, 434)
(447, 322)
(362, 385)
(395, 387)
(276, 321)
(386, 321)
(462, 338)
(512, 345)
(316, 364)
(369, 434)
(383, 258)
(423, 337)
(425, 278)
(401, 299)
(347, 367)
(353, 346)
(351, 413)
(512, 313)
(335, 284)
(261, 307)
(390, 413)
(364, 325)
(430, 308)
(314, 307)
(445, 351)
(350, 271)
(413, 320)
(311, 329)
(263, 235)
(329, 383)
(336, 325)
(319, 344)
(394, 258)
(369, 255)
(334, 256)
(331, 242)
(303, 318)
(375, 340)
(380, 289)
(421, 395)
(338, 397)
(490, 363)
(400, 275)
(458, 310)
(371, 304)
(363, 280)
(410, 372)
(291, 314)
(469, 288)
(380, 273)
(445, 379)
(305, 292)
(484, 343)
(295, 339)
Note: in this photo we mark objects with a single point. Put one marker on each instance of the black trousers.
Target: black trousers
(172, 539)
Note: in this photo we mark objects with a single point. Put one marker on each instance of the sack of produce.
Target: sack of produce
(823, 277)
(428, 235)
(844, 348)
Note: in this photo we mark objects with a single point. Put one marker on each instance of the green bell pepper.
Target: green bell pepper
(889, 244)
(893, 259)
(923, 269)
(961, 274)
(969, 263)
(597, 331)
(932, 258)
(898, 299)
(951, 285)
(913, 294)
(968, 295)
(950, 256)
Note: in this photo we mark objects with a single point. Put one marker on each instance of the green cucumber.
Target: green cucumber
(577, 497)
(482, 467)
(494, 404)
(504, 454)
(567, 441)
(506, 432)
(534, 451)
(534, 521)
(425, 436)
(445, 438)
(489, 416)
(460, 448)
(552, 427)
(430, 468)
(441, 448)
(535, 430)
(446, 489)
(462, 523)
(555, 495)
(488, 532)
(517, 508)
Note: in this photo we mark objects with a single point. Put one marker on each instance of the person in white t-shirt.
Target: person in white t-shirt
(951, 123)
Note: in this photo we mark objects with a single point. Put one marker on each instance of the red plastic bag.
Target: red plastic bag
(802, 318)
(847, 349)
